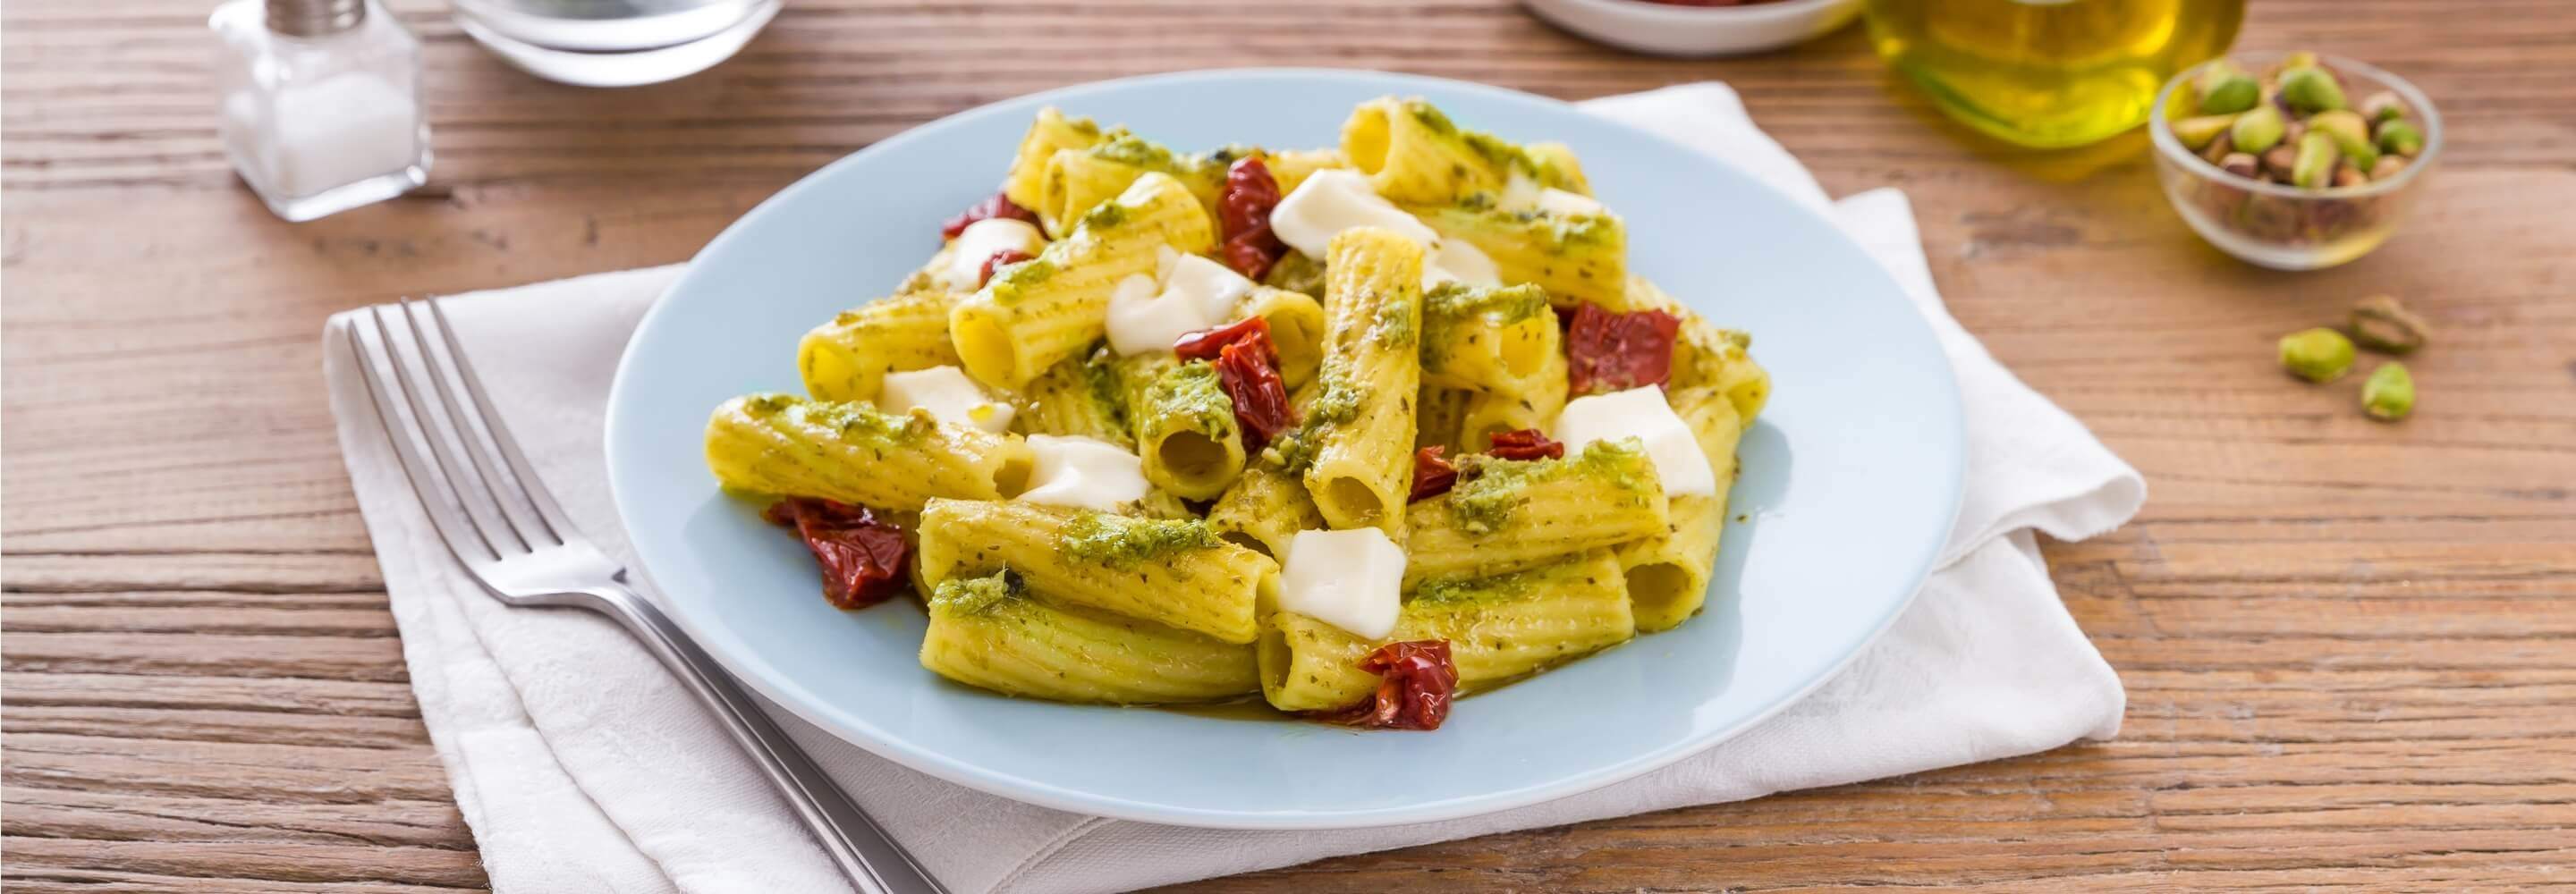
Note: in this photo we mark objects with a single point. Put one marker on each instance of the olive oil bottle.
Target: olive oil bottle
(2049, 73)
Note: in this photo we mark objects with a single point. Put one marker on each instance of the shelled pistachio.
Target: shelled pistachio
(2299, 127)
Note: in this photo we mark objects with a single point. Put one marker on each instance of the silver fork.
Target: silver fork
(503, 525)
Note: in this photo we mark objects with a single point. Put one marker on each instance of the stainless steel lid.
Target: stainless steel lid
(315, 18)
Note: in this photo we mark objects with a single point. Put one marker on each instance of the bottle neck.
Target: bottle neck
(315, 18)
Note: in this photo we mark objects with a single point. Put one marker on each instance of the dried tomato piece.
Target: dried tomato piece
(1000, 259)
(1416, 680)
(1205, 343)
(1432, 474)
(1248, 370)
(1243, 218)
(1525, 444)
(862, 554)
(999, 205)
(1608, 351)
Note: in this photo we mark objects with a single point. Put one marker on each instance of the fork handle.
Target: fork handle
(865, 853)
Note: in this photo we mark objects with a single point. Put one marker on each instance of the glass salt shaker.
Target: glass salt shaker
(321, 103)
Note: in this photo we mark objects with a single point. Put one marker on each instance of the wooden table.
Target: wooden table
(2347, 644)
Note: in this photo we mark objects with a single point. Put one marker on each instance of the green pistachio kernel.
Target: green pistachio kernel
(2317, 355)
(2198, 132)
(2257, 130)
(2389, 393)
(2400, 138)
(2311, 89)
(2230, 95)
(2315, 166)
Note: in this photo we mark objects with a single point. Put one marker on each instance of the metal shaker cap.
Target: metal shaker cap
(315, 18)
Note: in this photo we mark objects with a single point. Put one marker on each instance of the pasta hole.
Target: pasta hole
(1655, 586)
(1522, 356)
(1192, 455)
(1359, 504)
(1270, 651)
(1246, 541)
(986, 349)
(1012, 476)
(1365, 140)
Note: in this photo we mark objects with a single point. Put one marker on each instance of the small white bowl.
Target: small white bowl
(1667, 30)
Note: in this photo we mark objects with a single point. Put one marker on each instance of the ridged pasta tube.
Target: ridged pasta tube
(1492, 340)
(1499, 629)
(1079, 179)
(1034, 314)
(1184, 423)
(1362, 425)
(1175, 572)
(1705, 356)
(1575, 257)
(1667, 576)
(1080, 395)
(1489, 412)
(1291, 167)
(1439, 414)
(991, 632)
(1296, 328)
(848, 358)
(1052, 132)
(789, 446)
(1508, 515)
(1414, 153)
(1263, 509)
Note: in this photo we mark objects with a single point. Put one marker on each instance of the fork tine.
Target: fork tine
(504, 540)
(511, 497)
(460, 534)
(535, 487)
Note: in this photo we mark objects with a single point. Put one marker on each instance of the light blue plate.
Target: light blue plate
(1850, 481)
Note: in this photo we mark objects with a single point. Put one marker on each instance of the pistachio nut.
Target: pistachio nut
(2351, 136)
(2381, 324)
(2300, 59)
(2256, 130)
(2314, 168)
(2400, 138)
(2389, 394)
(2197, 132)
(2215, 73)
(2317, 355)
(2387, 167)
(2291, 132)
(2346, 176)
(2230, 95)
(2311, 89)
(2240, 164)
(2382, 106)
(2219, 148)
(2279, 161)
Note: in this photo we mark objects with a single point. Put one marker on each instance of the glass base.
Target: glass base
(298, 209)
(591, 67)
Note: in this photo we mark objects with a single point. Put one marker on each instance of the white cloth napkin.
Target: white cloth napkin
(582, 766)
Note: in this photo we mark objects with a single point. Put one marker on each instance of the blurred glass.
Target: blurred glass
(614, 43)
(2049, 73)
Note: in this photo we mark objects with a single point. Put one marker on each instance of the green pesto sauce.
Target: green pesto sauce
(1429, 116)
(1452, 305)
(1010, 281)
(1478, 589)
(1125, 147)
(1394, 327)
(976, 595)
(1106, 216)
(1338, 403)
(1296, 272)
(1192, 391)
(1100, 377)
(858, 424)
(1487, 501)
(1126, 540)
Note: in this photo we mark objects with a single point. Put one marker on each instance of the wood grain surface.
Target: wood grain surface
(2349, 646)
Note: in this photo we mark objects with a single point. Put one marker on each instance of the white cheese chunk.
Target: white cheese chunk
(1641, 413)
(948, 394)
(1351, 579)
(1084, 473)
(1192, 293)
(981, 240)
(1453, 260)
(1331, 201)
(1569, 204)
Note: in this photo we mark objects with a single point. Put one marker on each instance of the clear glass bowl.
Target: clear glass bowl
(2281, 226)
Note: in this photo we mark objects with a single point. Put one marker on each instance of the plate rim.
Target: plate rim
(796, 699)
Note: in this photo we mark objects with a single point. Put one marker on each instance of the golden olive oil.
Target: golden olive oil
(2049, 72)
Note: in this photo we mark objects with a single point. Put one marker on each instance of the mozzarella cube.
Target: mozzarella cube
(980, 240)
(948, 394)
(1192, 293)
(1331, 201)
(1350, 579)
(1209, 288)
(1641, 413)
(1083, 473)
(1453, 260)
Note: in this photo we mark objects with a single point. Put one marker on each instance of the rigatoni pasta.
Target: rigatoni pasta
(1176, 458)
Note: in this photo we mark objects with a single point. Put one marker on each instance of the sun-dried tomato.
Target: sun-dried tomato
(1432, 474)
(1525, 444)
(1607, 351)
(862, 555)
(1205, 343)
(999, 205)
(1416, 680)
(1243, 218)
(1000, 259)
(1247, 367)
